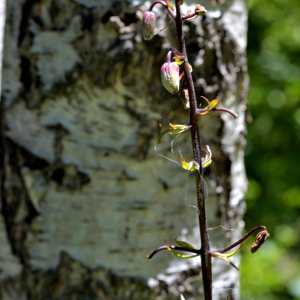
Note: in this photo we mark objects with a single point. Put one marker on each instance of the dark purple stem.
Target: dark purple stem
(188, 16)
(241, 240)
(175, 248)
(199, 111)
(164, 4)
(205, 247)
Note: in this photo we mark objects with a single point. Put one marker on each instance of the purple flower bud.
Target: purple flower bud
(149, 21)
(170, 76)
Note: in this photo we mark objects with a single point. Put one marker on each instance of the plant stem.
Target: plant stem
(205, 244)
(242, 239)
(174, 248)
(164, 4)
(199, 111)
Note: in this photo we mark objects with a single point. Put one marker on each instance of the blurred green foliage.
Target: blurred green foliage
(273, 150)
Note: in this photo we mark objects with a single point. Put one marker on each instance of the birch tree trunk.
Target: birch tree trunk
(85, 193)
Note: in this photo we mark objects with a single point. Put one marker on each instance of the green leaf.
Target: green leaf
(213, 103)
(207, 160)
(226, 255)
(206, 164)
(179, 59)
(205, 112)
(178, 126)
(184, 244)
(234, 253)
(181, 2)
(178, 254)
(190, 67)
(170, 5)
(175, 129)
(191, 166)
(223, 256)
(162, 134)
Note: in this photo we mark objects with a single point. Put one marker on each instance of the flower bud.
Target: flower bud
(170, 76)
(200, 10)
(259, 240)
(149, 20)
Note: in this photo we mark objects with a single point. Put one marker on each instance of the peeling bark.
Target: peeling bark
(85, 195)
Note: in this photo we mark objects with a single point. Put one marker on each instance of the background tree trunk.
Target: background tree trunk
(85, 194)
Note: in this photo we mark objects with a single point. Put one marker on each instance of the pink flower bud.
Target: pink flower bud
(170, 76)
(149, 21)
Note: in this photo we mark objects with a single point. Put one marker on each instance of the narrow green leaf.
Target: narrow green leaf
(162, 134)
(205, 112)
(178, 126)
(178, 254)
(222, 256)
(233, 253)
(177, 131)
(206, 164)
(207, 160)
(184, 244)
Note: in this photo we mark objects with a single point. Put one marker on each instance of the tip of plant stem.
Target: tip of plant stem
(259, 240)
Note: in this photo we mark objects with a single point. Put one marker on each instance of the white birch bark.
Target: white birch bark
(86, 193)
(2, 23)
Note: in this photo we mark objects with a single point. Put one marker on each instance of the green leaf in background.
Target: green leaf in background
(272, 151)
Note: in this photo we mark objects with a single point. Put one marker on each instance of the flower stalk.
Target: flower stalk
(206, 265)
(171, 80)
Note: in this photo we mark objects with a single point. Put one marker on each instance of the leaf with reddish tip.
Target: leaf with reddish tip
(213, 103)
(204, 112)
(184, 244)
(170, 5)
(159, 123)
(178, 254)
(179, 126)
(207, 160)
(189, 166)
(179, 59)
(175, 129)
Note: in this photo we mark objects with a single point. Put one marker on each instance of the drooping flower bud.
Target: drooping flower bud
(149, 20)
(170, 76)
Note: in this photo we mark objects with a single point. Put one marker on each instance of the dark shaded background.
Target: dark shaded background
(272, 153)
